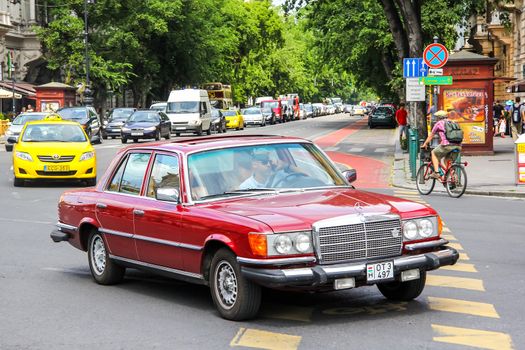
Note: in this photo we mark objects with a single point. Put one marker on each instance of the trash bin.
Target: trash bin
(519, 151)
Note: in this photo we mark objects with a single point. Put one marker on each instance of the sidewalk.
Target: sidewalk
(487, 175)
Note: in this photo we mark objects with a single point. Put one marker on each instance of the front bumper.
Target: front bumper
(24, 169)
(113, 131)
(144, 135)
(324, 275)
(184, 127)
(233, 123)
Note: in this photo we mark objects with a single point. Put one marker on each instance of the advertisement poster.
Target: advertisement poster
(520, 151)
(468, 107)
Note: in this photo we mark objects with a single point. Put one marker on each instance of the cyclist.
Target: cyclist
(445, 147)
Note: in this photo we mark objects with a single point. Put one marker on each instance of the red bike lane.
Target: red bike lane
(371, 172)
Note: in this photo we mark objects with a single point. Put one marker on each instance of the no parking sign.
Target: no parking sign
(435, 55)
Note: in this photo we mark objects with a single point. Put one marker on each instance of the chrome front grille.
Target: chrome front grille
(363, 240)
(53, 159)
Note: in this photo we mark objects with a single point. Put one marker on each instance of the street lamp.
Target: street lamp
(88, 93)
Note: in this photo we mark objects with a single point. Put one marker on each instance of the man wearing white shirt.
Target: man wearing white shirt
(261, 171)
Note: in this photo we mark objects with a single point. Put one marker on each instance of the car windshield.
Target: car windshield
(215, 113)
(120, 114)
(229, 113)
(24, 118)
(383, 110)
(183, 107)
(253, 170)
(252, 111)
(73, 113)
(54, 133)
(266, 106)
(145, 116)
(308, 108)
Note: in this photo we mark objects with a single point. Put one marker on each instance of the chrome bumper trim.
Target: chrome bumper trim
(115, 233)
(425, 245)
(169, 243)
(156, 267)
(279, 261)
(66, 226)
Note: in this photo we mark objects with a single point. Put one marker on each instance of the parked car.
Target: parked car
(159, 106)
(16, 126)
(382, 116)
(320, 108)
(272, 111)
(309, 110)
(253, 116)
(218, 121)
(359, 110)
(146, 124)
(117, 118)
(87, 117)
(189, 111)
(234, 119)
(53, 149)
(191, 210)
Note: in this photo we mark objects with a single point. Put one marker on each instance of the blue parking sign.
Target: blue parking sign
(414, 68)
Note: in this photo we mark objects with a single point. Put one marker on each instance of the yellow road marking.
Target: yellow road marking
(472, 337)
(406, 196)
(449, 237)
(254, 338)
(445, 229)
(456, 246)
(286, 312)
(455, 282)
(462, 307)
(463, 267)
(463, 256)
(405, 192)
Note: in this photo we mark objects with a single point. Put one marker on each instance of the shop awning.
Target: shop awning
(8, 94)
(25, 89)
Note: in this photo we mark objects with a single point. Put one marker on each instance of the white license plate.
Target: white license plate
(180, 128)
(137, 134)
(380, 271)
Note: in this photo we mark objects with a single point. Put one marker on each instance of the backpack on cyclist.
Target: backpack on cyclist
(516, 110)
(453, 132)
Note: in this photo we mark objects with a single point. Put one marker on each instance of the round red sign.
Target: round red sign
(435, 55)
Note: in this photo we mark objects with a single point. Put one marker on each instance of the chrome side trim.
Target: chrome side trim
(157, 267)
(279, 261)
(115, 233)
(169, 243)
(424, 245)
(66, 226)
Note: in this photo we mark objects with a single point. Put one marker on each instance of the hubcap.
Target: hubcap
(226, 285)
(98, 255)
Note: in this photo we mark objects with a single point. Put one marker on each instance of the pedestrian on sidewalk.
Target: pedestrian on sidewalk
(401, 118)
(516, 118)
(501, 127)
(498, 113)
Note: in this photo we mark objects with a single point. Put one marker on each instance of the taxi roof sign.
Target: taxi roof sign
(51, 117)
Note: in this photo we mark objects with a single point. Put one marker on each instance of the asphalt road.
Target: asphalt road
(49, 301)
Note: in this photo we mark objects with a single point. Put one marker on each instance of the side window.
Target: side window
(134, 173)
(204, 109)
(165, 173)
(114, 185)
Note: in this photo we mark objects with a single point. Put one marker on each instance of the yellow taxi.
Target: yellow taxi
(55, 149)
(234, 119)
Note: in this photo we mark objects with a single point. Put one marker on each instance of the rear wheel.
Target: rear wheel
(404, 291)
(424, 183)
(235, 297)
(456, 181)
(103, 269)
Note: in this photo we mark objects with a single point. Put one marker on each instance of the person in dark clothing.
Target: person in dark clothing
(498, 113)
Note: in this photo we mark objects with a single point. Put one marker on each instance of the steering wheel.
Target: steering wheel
(289, 176)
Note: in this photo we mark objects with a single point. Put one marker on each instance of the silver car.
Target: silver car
(17, 125)
(253, 116)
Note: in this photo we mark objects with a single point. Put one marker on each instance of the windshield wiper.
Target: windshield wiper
(259, 189)
(239, 192)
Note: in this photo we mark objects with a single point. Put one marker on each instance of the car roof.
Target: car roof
(195, 144)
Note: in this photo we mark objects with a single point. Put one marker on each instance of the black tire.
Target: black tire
(403, 291)
(371, 126)
(113, 137)
(456, 181)
(208, 132)
(91, 182)
(124, 140)
(424, 184)
(104, 270)
(198, 132)
(8, 147)
(135, 140)
(157, 135)
(18, 182)
(104, 136)
(246, 295)
(99, 137)
(177, 134)
(225, 128)
(168, 135)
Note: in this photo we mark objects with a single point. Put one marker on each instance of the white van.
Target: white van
(189, 110)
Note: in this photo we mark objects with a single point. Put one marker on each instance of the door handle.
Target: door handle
(138, 212)
(101, 206)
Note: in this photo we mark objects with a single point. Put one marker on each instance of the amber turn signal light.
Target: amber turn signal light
(440, 226)
(258, 244)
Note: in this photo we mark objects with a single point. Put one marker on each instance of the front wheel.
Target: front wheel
(208, 132)
(456, 181)
(235, 297)
(424, 183)
(403, 291)
(124, 140)
(103, 269)
(157, 135)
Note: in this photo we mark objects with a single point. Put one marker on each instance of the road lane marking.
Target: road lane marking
(287, 312)
(455, 282)
(472, 337)
(254, 338)
(449, 237)
(463, 256)
(445, 229)
(406, 192)
(356, 150)
(462, 307)
(380, 150)
(461, 267)
(455, 245)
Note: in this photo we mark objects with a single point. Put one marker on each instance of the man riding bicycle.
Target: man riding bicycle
(445, 148)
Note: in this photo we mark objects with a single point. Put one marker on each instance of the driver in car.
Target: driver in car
(261, 169)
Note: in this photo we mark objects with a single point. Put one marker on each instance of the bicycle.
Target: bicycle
(454, 180)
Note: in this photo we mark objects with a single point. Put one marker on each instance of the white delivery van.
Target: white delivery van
(189, 110)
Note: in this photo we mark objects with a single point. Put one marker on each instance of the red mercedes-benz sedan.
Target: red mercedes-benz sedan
(237, 213)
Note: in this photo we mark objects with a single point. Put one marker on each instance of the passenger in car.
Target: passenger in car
(261, 171)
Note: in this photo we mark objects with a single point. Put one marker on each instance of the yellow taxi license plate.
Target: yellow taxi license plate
(56, 167)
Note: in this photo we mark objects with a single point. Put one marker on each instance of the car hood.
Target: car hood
(252, 116)
(140, 125)
(50, 148)
(15, 128)
(116, 123)
(298, 211)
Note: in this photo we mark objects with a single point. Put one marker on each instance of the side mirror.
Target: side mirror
(167, 194)
(350, 175)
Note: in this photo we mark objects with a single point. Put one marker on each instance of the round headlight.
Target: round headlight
(410, 230)
(302, 243)
(283, 244)
(426, 228)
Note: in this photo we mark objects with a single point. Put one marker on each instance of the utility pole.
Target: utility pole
(88, 93)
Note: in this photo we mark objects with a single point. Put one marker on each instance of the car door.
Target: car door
(165, 123)
(157, 222)
(114, 210)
